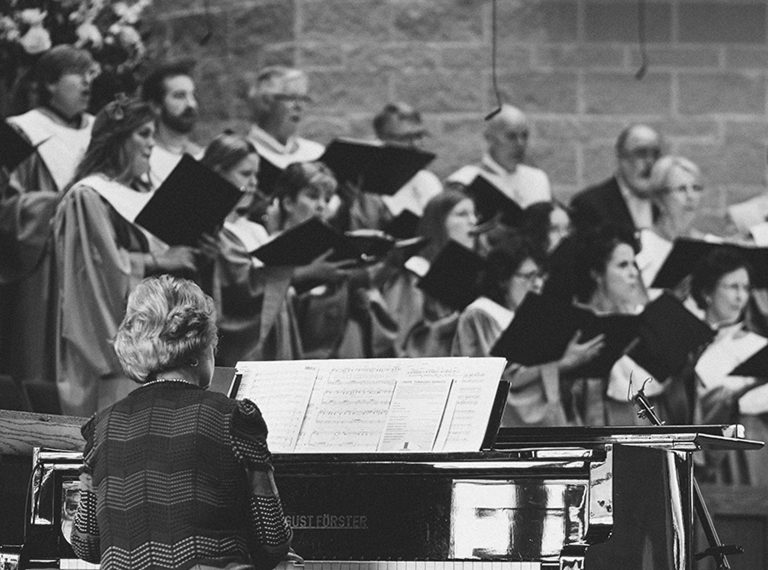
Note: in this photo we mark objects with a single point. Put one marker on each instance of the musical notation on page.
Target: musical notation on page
(373, 405)
(282, 391)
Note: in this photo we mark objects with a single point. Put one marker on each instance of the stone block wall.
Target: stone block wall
(570, 64)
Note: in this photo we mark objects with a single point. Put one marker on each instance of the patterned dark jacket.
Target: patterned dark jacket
(169, 483)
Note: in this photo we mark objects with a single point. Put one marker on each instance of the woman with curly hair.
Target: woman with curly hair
(174, 476)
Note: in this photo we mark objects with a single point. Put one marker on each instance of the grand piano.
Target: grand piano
(554, 498)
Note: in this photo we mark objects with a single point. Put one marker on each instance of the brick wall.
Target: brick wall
(569, 63)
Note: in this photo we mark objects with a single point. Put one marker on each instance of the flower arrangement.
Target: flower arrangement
(109, 29)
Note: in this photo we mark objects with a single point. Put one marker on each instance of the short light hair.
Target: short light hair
(663, 167)
(169, 322)
(269, 82)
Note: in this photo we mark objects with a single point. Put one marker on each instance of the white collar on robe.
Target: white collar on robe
(126, 201)
(60, 147)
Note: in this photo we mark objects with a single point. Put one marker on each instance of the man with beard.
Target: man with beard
(60, 130)
(506, 135)
(170, 90)
(625, 198)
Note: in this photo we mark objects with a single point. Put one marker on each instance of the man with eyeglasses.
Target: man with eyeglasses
(400, 124)
(625, 198)
(277, 97)
(170, 90)
(60, 130)
(506, 136)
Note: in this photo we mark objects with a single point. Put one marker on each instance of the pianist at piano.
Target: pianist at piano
(174, 475)
(436, 486)
(546, 498)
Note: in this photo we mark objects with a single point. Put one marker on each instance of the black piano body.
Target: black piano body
(553, 498)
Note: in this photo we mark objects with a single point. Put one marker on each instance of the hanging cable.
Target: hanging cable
(497, 110)
(640, 73)
(208, 24)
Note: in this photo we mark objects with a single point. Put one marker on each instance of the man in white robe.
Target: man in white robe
(506, 135)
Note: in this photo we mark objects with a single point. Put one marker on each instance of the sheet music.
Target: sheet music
(369, 405)
(472, 397)
(281, 390)
(415, 414)
(348, 410)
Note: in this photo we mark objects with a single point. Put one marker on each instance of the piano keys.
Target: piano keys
(77, 564)
(410, 565)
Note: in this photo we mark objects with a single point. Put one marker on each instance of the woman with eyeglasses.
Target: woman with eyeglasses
(101, 255)
(721, 286)
(253, 302)
(514, 269)
(605, 282)
(677, 190)
(59, 129)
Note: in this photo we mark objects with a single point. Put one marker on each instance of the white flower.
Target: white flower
(9, 31)
(37, 39)
(120, 9)
(129, 37)
(32, 16)
(88, 34)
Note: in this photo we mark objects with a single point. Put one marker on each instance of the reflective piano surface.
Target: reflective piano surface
(565, 498)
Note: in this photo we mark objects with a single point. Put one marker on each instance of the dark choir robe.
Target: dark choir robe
(254, 304)
(28, 200)
(345, 320)
(100, 259)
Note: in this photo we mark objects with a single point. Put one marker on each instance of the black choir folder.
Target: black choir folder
(659, 339)
(756, 365)
(382, 168)
(191, 201)
(308, 240)
(490, 200)
(267, 176)
(376, 405)
(687, 253)
(300, 245)
(403, 226)
(15, 148)
(454, 276)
